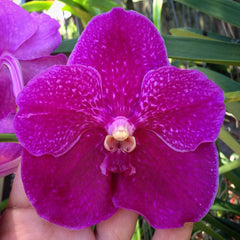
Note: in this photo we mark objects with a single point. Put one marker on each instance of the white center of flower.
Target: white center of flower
(120, 136)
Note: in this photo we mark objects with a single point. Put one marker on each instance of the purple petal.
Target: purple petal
(182, 107)
(56, 107)
(9, 152)
(70, 190)
(123, 46)
(7, 103)
(12, 31)
(169, 188)
(45, 40)
(31, 68)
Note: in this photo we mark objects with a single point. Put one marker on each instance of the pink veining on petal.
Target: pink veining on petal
(122, 46)
(57, 106)
(176, 106)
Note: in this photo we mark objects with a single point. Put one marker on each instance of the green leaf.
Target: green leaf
(8, 137)
(36, 6)
(216, 223)
(197, 33)
(232, 96)
(70, 3)
(227, 138)
(233, 178)
(157, 11)
(203, 50)
(66, 46)
(225, 83)
(105, 5)
(82, 14)
(229, 166)
(3, 204)
(233, 108)
(221, 205)
(137, 232)
(203, 227)
(226, 10)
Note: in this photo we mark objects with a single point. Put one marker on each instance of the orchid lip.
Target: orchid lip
(15, 70)
(120, 136)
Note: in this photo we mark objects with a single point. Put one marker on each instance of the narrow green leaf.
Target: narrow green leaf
(226, 137)
(233, 108)
(227, 85)
(8, 137)
(221, 205)
(224, 82)
(197, 33)
(229, 166)
(233, 178)
(226, 10)
(203, 50)
(137, 232)
(70, 3)
(36, 6)
(216, 223)
(157, 11)
(3, 204)
(203, 227)
(82, 14)
(66, 46)
(105, 5)
(232, 96)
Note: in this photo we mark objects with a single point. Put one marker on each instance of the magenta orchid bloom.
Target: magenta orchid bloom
(120, 128)
(25, 46)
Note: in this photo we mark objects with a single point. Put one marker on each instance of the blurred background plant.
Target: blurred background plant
(203, 35)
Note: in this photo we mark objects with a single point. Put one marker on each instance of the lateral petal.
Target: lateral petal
(56, 107)
(182, 107)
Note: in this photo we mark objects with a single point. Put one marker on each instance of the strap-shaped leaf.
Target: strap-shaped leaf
(221, 205)
(229, 140)
(203, 227)
(36, 6)
(8, 137)
(203, 50)
(218, 224)
(226, 10)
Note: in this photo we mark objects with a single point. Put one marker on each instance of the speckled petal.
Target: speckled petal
(45, 40)
(123, 46)
(12, 31)
(169, 187)
(56, 107)
(7, 102)
(31, 68)
(71, 191)
(9, 152)
(182, 107)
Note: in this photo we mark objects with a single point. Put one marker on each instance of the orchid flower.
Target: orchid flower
(118, 127)
(25, 46)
